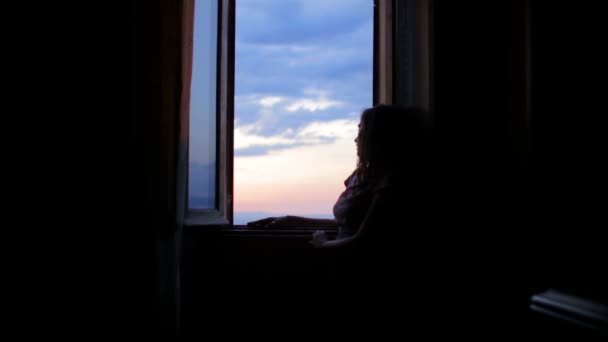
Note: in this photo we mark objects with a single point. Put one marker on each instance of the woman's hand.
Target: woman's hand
(318, 238)
(262, 222)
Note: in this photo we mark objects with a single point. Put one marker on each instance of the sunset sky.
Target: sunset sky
(303, 74)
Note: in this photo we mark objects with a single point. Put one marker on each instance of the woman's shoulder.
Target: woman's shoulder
(352, 180)
(373, 184)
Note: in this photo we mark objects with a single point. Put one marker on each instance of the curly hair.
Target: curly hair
(391, 138)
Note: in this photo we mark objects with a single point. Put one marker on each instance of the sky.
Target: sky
(303, 74)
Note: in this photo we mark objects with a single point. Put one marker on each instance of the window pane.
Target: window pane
(304, 72)
(202, 166)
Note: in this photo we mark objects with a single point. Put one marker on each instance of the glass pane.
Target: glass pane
(304, 72)
(202, 176)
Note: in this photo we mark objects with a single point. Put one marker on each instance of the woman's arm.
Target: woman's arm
(373, 217)
(293, 221)
(313, 222)
(339, 243)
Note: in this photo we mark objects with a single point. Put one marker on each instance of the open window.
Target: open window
(400, 33)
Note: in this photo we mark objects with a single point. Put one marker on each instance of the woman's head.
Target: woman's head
(391, 136)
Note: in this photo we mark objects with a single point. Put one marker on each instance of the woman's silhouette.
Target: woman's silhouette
(392, 146)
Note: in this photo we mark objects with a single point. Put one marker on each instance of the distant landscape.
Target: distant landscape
(241, 218)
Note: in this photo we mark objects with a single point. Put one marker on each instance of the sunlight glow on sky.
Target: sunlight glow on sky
(309, 176)
(294, 146)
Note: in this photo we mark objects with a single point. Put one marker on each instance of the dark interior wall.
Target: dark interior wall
(521, 175)
(569, 138)
(127, 189)
(126, 192)
(569, 145)
(480, 112)
(155, 97)
(532, 184)
(477, 77)
(109, 180)
(480, 119)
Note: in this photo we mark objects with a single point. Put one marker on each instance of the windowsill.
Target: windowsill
(244, 231)
(214, 220)
(205, 219)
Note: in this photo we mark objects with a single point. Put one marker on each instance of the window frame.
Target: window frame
(222, 214)
(392, 21)
(383, 52)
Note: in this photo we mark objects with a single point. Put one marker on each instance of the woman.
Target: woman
(391, 145)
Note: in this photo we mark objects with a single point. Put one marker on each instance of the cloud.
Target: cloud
(341, 128)
(245, 136)
(270, 114)
(260, 150)
(313, 104)
(284, 47)
(270, 101)
(293, 67)
(279, 22)
(249, 143)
